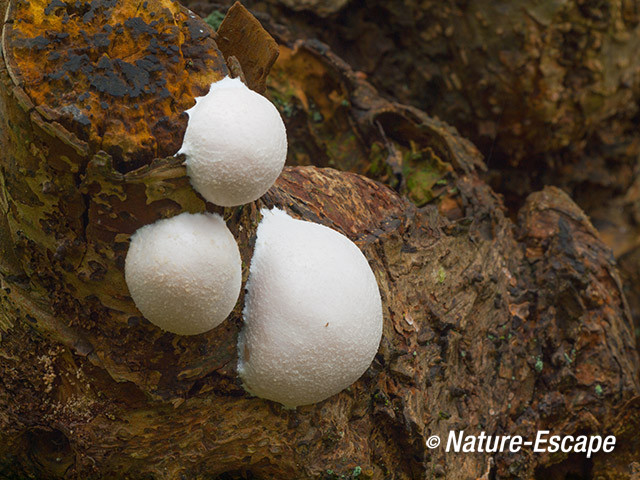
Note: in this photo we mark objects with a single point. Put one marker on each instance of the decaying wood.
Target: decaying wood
(529, 77)
(493, 324)
(548, 91)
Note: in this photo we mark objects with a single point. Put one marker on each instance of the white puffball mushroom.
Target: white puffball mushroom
(312, 316)
(184, 273)
(235, 144)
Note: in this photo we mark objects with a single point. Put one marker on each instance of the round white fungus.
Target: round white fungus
(184, 273)
(312, 316)
(235, 144)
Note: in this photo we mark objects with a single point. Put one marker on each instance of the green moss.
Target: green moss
(378, 166)
(539, 364)
(215, 19)
(423, 171)
(283, 105)
(356, 473)
(316, 116)
(284, 100)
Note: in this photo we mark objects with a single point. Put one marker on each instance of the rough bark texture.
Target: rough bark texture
(526, 77)
(547, 90)
(491, 324)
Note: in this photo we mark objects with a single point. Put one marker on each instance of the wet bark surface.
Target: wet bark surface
(496, 323)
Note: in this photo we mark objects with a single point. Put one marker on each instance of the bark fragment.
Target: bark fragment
(241, 36)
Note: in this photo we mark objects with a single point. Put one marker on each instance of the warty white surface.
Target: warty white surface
(313, 313)
(184, 273)
(235, 144)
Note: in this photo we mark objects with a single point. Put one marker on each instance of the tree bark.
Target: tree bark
(506, 326)
(548, 91)
(521, 79)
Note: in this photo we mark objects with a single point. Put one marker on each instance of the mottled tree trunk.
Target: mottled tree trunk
(493, 324)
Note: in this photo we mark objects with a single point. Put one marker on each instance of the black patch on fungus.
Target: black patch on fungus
(171, 37)
(53, 5)
(150, 63)
(83, 120)
(104, 63)
(38, 42)
(197, 55)
(139, 27)
(95, 7)
(87, 17)
(197, 30)
(137, 78)
(153, 47)
(105, 3)
(101, 40)
(110, 84)
(57, 36)
(78, 62)
(57, 75)
(119, 78)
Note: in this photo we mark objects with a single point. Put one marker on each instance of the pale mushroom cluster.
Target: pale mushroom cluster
(312, 314)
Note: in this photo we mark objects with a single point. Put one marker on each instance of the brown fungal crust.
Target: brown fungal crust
(118, 75)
